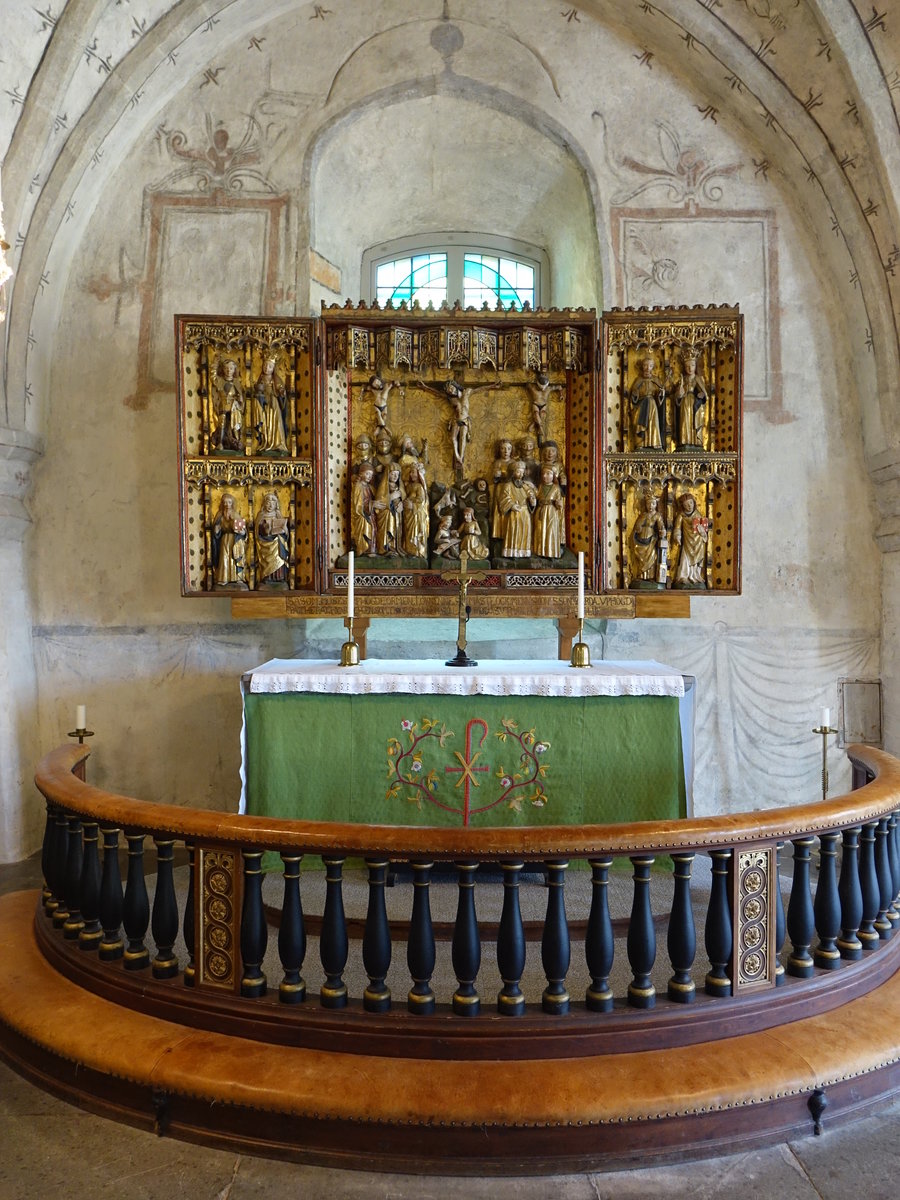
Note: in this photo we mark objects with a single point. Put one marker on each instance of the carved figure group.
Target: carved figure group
(650, 544)
(255, 413)
(517, 510)
(228, 544)
(649, 399)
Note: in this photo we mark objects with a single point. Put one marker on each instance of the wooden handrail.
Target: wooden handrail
(57, 783)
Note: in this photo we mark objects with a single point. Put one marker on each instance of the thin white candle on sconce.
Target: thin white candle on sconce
(580, 585)
(826, 718)
(351, 596)
(80, 716)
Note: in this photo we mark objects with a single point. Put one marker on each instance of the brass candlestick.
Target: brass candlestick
(81, 734)
(824, 730)
(350, 648)
(581, 654)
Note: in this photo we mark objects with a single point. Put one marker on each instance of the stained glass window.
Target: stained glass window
(449, 267)
(420, 277)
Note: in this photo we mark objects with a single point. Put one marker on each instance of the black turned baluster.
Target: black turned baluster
(377, 940)
(254, 934)
(827, 907)
(58, 858)
(188, 923)
(73, 924)
(511, 945)
(599, 943)
(780, 923)
(801, 920)
(466, 947)
(91, 933)
(136, 905)
(894, 860)
(48, 900)
(333, 944)
(111, 947)
(420, 948)
(718, 936)
(850, 894)
(292, 934)
(641, 940)
(885, 880)
(682, 936)
(868, 882)
(165, 912)
(555, 949)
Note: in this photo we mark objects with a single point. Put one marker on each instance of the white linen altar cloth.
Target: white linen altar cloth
(500, 677)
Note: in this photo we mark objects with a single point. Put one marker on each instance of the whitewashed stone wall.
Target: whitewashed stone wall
(609, 139)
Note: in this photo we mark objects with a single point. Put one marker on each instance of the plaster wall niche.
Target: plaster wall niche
(443, 163)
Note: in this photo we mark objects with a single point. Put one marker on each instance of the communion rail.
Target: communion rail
(832, 943)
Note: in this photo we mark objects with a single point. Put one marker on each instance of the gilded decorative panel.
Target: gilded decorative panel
(415, 436)
(217, 955)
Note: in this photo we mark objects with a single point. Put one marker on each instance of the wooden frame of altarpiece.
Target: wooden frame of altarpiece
(277, 414)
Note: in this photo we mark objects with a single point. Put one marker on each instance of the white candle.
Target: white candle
(351, 598)
(80, 717)
(826, 718)
(580, 585)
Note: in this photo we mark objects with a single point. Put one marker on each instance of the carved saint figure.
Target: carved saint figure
(363, 452)
(691, 403)
(548, 516)
(227, 407)
(384, 455)
(227, 544)
(362, 513)
(648, 406)
(648, 540)
(469, 532)
(415, 512)
(500, 473)
(550, 458)
(528, 455)
(517, 500)
(539, 393)
(270, 395)
(271, 542)
(409, 453)
(477, 495)
(446, 539)
(388, 506)
(690, 533)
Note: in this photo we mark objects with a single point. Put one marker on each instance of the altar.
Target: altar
(502, 743)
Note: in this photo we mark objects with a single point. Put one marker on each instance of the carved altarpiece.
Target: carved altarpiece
(408, 435)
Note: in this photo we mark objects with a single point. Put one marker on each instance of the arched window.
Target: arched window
(471, 268)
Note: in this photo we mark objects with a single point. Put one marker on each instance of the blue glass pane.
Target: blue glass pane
(422, 278)
(486, 278)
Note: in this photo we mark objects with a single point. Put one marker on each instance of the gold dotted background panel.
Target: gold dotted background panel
(581, 456)
(337, 431)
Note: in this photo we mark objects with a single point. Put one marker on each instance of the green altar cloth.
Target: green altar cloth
(452, 760)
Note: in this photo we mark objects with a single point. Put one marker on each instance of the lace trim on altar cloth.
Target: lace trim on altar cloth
(499, 678)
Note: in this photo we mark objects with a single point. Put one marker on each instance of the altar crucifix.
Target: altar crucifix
(463, 579)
